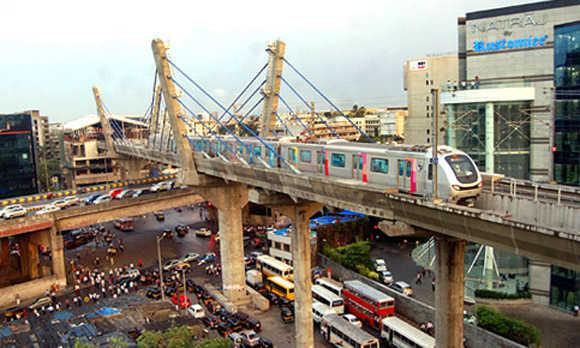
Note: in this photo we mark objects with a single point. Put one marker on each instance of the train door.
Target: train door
(407, 175)
(359, 171)
(320, 161)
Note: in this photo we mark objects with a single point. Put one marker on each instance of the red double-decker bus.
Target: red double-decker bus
(367, 303)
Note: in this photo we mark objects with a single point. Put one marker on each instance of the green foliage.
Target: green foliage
(350, 256)
(515, 330)
(179, 337)
(118, 342)
(373, 275)
(491, 294)
(83, 344)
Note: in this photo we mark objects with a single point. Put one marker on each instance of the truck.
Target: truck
(254, 278)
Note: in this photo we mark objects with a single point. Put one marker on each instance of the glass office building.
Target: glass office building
(17, 156)
(567, 104)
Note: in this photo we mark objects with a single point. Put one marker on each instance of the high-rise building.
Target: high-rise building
(421, 76)
(17, 155)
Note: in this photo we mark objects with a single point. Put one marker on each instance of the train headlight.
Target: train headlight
(456, 187)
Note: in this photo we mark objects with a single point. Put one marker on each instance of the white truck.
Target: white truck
(254, 278)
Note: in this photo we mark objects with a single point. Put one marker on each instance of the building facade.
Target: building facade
(392, 124)
(420, 77)
(18, 155)
(514, 65)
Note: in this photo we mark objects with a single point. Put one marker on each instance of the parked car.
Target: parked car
(126, 193)
(159, 215)
(181, 300)
(14, 313)
(131, 273)
(210, 321)
(207, 258)
(47, 209)
(266, 343)
(125, 224)
(196, 311)
(403, 288)
(189, 257)
(181, 230)
(253, 324)
(40, 302)
(102, 199)
(91, 199)
(203, 232)
(352, 319)
(386, 277)
(169, 265)
(153, 293)
(182, 266)
(115, 192)
(60, 203)
(72, 200)
(12, 211)
(237, 339)
(137, 193)
(251, 339)
(380, 265)
(287, 315)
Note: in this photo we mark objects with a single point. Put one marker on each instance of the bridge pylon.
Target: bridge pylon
(188, 173)
(271, 89)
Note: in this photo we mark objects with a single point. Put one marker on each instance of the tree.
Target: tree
(214, 343)
(175, 337)
(47, 169)
(83, 344)
(118, 342)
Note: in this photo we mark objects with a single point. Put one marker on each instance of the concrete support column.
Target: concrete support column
(540, 279)
(57, 255)
(230, 200)
(29, 258)
(451, 141)
(301, 256)
(131, 169)
(449, 292)
(4, 252)
(489, 139)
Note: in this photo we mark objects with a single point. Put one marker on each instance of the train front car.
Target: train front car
(462, 182)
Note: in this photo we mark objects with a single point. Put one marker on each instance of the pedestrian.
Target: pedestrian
(433, 284)
(418, 278)
(139, 263)
(18, 299)
(67, 303)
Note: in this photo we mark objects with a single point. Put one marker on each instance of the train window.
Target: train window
(292, 154)
(338, 160)
(320, 157)
(401, 167)
(257, 151)
(380, 165)
(430, 174)
(408, 169)
(305, 156)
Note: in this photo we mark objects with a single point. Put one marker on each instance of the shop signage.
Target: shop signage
(508, 44)
(508, 23)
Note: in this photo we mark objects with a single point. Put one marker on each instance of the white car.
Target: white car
(380, 265)
(131, 273)
(196, 311)
(353, 320)
(72, 200)
(203, 232)
(49, 208)
(40, 302)
(189, 257)
(12, 211)
(128, 193)
(169, 265)
(386, 277)
(102, 199)
(61, 203)
(251, 339)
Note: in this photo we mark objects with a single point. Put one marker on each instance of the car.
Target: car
(14, 313)
(131, 273)
(124, 224)
(181, 300)
(266, 343)
(159, 215)
(386, 277)
(207, 258)
(255, 254)
(224, 329)
(352, 319)
(137, 193)
(287, 315)
(40, 302)
(189, 257)
(253, 324)
(91, 199)
(102, 199)
(170, 290)
(60, 203)
(181, 230)
(284, 302)
(196, 311)
(402, 287)
(182, 266)
(237, 339)
(469, 318)
(71, 200)
(12, 211)
(169, 265)
(251, 339)
(167, 233)
(153, 293)
(127, 193)
(203, 232)
(47, 209)
(380, 265)
(115, 192)
(210, 321)
(272, 298)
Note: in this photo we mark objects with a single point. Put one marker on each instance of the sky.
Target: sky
(53, 52)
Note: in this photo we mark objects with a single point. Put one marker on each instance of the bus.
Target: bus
(124, 225)
(328, 298)
(398, 333)
(340, 333)
(274, 268)
(280, 287)
(319, 310)
(367, 303)
(331, 285)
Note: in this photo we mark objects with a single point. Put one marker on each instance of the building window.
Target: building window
(380, 165)
(305, 156)
(338, 160)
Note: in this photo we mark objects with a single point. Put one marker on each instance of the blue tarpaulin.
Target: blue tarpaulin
(5, 332)
(108, 311)
(62, 316)
(343, 216)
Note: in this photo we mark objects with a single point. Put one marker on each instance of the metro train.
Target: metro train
(404, 167)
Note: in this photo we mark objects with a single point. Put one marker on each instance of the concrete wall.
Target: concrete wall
(28, 290)
(417, 311)
(526, 210)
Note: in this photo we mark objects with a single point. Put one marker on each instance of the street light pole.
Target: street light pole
(160, 267)
(435, 142)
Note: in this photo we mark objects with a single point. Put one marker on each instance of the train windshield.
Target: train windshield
(463, 168)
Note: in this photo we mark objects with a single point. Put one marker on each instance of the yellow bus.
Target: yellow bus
(280, 287)
(274, 268)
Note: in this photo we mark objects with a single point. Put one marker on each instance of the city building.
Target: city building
(421, 76)
(515, 64)
(280, 244)
(18, 155)
(392, 124)
(87, 159)
(55, 142)
(372, 125)
(40, 128)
